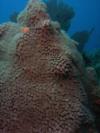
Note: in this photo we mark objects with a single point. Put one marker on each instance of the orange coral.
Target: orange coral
(25, 29)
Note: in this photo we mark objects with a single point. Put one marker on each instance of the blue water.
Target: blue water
(87, 16)
(7, 7)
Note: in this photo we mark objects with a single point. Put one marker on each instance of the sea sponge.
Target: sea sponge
(43, 91)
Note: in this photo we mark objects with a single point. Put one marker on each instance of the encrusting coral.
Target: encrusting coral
(41, 90)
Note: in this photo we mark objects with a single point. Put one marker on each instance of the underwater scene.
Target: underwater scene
(49, 66)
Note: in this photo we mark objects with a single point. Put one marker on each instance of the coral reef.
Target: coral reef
(61, 12)
(41, 77)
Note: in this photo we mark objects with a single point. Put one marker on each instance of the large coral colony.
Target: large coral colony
(44, 85)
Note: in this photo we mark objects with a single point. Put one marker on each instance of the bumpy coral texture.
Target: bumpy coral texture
(43, 92)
